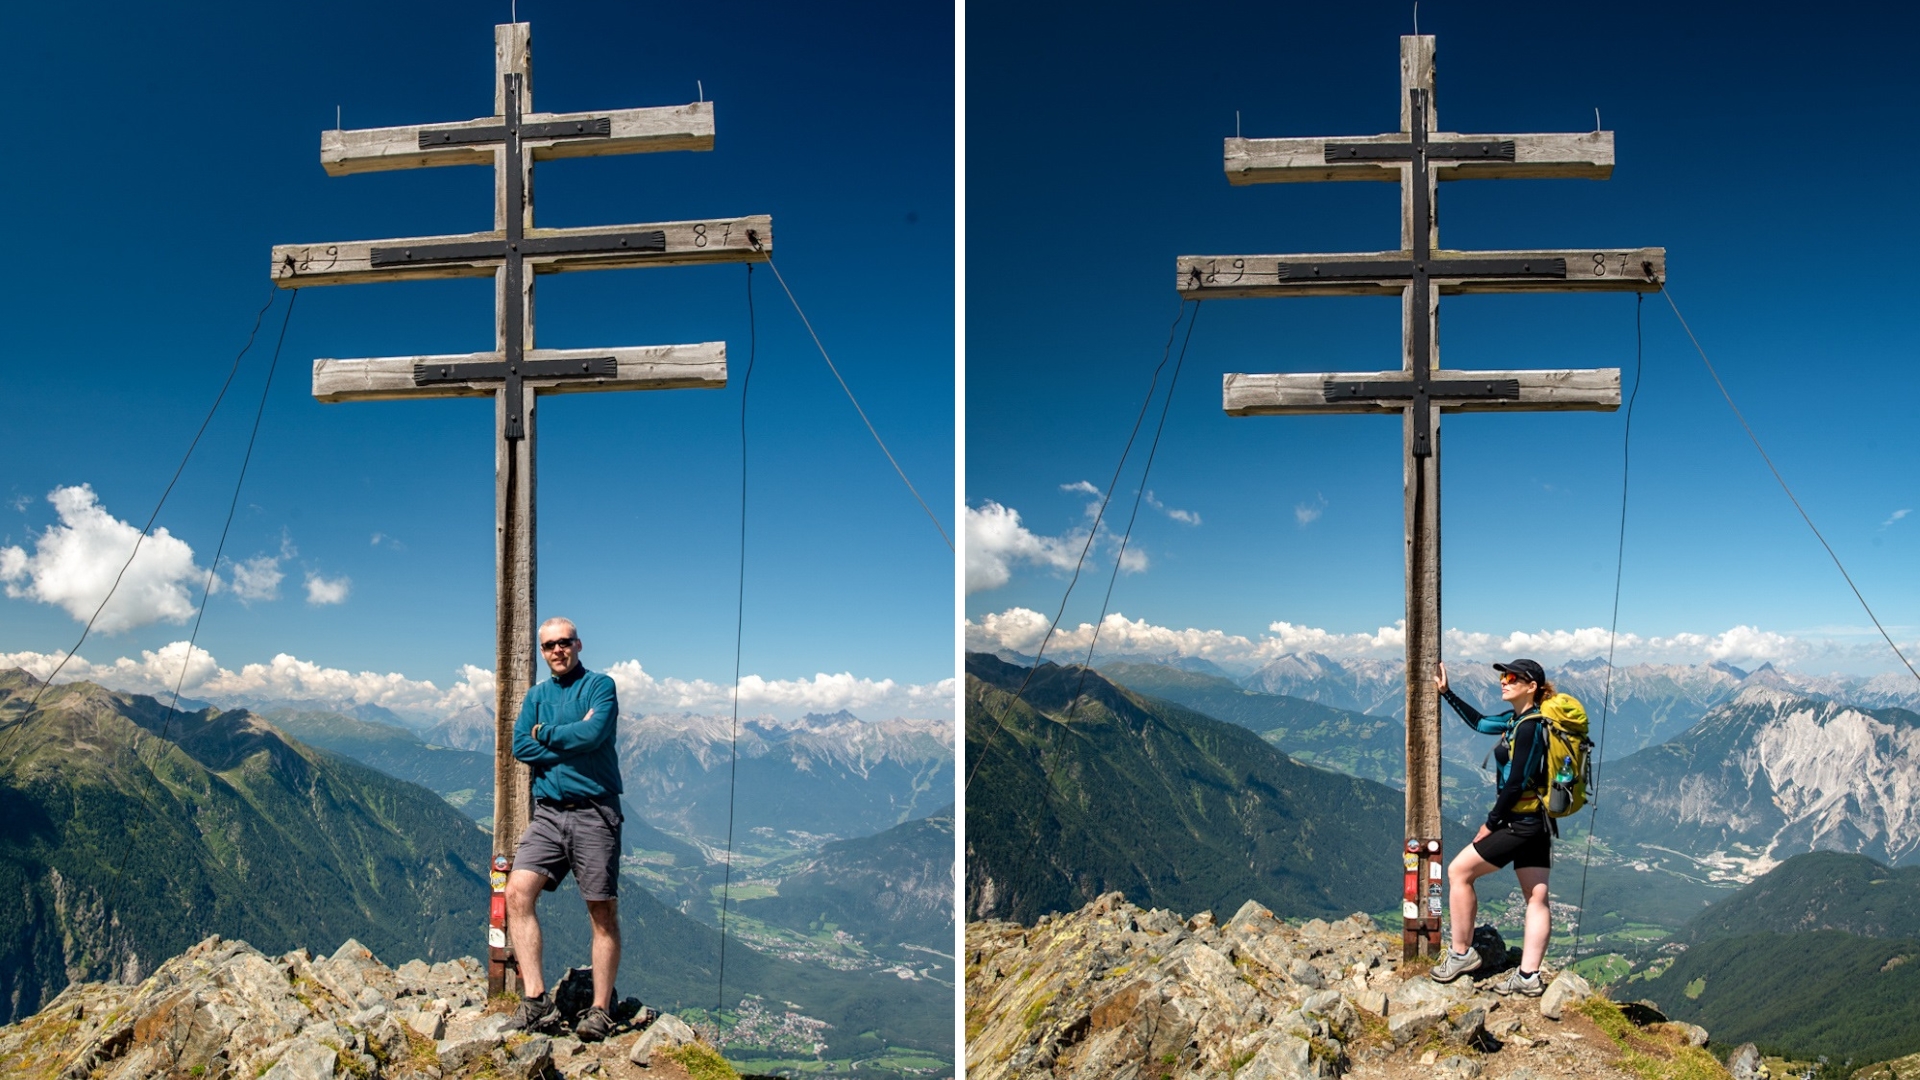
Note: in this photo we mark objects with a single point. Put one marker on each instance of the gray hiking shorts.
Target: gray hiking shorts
(583, 837)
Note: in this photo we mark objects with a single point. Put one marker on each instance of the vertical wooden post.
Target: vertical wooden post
(514, 526)
(1420, 338)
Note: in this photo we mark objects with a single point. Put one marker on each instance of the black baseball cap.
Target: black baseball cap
(1527, 669)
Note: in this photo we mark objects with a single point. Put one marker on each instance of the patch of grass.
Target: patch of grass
(1695, 988)
(1032, 1014)
(1648, 1056)
(702, 1062)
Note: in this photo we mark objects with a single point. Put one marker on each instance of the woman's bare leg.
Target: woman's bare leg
(1466, 868)
(1533, 884)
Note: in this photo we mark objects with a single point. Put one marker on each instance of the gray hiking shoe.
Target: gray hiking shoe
(534, 1014)
(1455, 965)
(595, 1026)
(1525, 986)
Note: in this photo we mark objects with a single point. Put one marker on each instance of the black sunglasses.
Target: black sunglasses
(559, 643)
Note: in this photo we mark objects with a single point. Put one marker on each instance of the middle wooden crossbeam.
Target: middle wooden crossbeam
(546, 251)
(1387, 273)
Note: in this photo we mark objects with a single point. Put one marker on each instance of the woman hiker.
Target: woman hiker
(1515, 830)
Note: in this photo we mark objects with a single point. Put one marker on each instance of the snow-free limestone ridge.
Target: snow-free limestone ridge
(223, 1011)
(1115, 992)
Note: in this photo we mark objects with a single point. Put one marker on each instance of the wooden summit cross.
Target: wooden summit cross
(515, 373)
(1418, 156)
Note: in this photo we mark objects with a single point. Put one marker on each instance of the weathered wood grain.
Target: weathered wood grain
(635, 131)
(688, 243)
(1549, 390)
(653, 367)
(1587, 156)
(1588, 270)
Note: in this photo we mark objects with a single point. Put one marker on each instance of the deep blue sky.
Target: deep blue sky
(171, 147)
(1759, 145)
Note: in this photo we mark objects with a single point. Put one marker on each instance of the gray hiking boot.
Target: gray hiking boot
(595, 1026)
(1455, 965)
(1525, 986)
(534, 1014)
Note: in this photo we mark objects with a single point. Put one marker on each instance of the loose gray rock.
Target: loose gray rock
(1745, 1064)
(1565, 989)
(456, 1054)
(665, 1033)
(1406, 1026)
(1284, 1058)
(304, 1060)
(525, 1058)
(1471, 1026)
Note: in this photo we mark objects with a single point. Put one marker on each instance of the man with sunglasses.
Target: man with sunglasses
(565, 734)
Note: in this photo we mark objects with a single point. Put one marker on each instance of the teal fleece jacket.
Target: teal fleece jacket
(573, 755)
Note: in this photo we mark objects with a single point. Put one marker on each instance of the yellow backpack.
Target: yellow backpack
(1564, 784)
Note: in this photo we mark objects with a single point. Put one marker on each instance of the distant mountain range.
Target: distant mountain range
(462, 777)
(1770, 774)
(832, 776)
(1645, 704)
(230, 825)
(1171, 807)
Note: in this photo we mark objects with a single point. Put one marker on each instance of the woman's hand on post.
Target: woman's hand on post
(1440, 678)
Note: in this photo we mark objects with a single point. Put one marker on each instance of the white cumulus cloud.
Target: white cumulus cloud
(289, 678)
(1023, 630)
(1897, 515)
(74, 564)
(325, 590)
(998, 541)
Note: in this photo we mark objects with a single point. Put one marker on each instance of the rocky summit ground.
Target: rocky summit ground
(1114, 991)
(223, 1011)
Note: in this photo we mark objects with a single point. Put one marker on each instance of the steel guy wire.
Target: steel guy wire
(856, 405)
(1093, 531)
(739, 627)
(206, 592)
(233, 370)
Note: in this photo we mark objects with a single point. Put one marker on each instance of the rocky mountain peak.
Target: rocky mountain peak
(221, 1010)
(1114, 990)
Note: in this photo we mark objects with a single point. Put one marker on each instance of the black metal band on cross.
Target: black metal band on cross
(512, 250)
(1421, 390)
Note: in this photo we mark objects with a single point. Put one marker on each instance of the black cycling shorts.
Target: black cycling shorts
(1521, 841)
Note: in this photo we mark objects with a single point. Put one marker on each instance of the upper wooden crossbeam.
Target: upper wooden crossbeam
(1527, 157)
(547, 135)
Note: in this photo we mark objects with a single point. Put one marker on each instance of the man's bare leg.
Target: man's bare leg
(523, 892)
(606, 948)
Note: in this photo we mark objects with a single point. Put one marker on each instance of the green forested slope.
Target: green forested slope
(1173, 808)
(223, 827)
(890, 888)
(1800, 995)
(1370, 747)
(1820, 890)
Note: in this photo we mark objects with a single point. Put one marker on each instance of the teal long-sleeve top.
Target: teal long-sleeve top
(573, 755)
(1528, 742)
